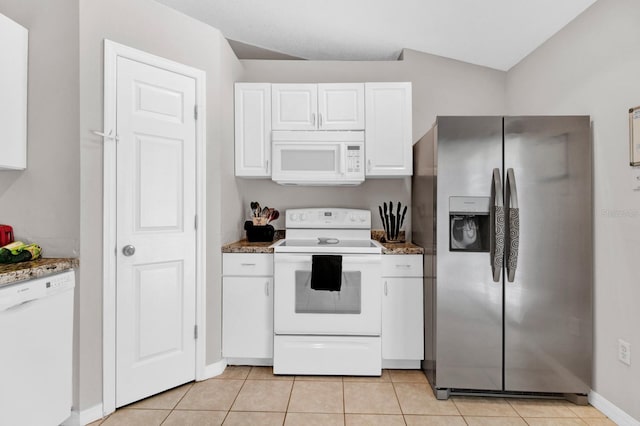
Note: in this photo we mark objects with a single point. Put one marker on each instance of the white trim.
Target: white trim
(610, 410)
(401, 364)
(112, 51)
(84, 417)
(213, 370)
(262, 362)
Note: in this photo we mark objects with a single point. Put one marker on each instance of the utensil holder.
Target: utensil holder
(262, 233)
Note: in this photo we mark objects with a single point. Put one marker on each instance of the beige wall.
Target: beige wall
(440, 86)
(154, 28)
(41, 203)
(592, 67)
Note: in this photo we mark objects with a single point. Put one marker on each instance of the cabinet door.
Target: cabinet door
(13, 95)
(294, 106)
(402, 319)
(247, 317)
(341, 106)
(388, 130)
(253, 129)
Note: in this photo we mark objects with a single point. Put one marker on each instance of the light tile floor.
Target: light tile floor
(254, 396)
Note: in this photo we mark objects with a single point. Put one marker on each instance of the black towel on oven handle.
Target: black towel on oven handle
(326, 272)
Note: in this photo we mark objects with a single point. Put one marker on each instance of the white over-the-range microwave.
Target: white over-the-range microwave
(318, 158)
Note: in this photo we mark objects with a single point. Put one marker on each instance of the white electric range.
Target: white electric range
(333, 331)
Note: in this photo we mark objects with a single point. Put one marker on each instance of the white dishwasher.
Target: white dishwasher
(36, 338)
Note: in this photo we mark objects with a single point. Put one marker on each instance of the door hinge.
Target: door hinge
(195, 222)
(195, 331)
(195, 112)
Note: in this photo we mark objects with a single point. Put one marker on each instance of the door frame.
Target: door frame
(112, 51)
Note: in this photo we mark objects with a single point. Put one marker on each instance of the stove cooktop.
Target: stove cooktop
(327, 245)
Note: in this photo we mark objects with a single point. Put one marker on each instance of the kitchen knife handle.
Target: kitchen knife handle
(513, 235)
(497, 226)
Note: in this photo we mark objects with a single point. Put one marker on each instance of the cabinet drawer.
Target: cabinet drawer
(246, 264)
(402, 265)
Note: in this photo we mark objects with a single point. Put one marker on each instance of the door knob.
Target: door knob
(128, 250)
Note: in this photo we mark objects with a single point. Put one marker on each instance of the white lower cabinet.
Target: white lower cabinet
(247, 308)
(402, 311)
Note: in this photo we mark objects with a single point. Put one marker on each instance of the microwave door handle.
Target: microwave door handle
(343, 159)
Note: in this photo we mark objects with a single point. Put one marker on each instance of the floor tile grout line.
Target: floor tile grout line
(237, 394)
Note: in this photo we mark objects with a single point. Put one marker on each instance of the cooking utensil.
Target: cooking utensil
(382, 219)
(393, 224)
(274, 215)
(404, 213)
(386, 218)
(398, 225)
(265, 212)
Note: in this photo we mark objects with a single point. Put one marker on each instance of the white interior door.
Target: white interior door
(156, 207)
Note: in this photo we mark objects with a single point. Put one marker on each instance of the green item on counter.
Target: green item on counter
(19, 252)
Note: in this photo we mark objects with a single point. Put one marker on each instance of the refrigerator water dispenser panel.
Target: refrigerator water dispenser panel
(469, 224)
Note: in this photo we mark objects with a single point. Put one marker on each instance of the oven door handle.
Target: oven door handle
(346, 260)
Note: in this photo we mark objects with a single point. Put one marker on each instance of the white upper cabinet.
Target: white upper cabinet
(253, 129)
(338, 106)
(341, 106)
(388, 131)
(294, 106)
(13, 95)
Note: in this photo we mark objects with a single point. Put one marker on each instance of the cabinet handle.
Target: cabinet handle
(267, 167)
(247, 264)
(386, 290)
(313, 119)
(319, 120)
(403, 266)
(368, 165)
(266, 288)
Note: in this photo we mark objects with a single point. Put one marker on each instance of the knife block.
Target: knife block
(262, 233)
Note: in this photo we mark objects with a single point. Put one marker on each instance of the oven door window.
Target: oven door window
(346, 301)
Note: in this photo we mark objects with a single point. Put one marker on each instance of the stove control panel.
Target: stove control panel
(332, 218)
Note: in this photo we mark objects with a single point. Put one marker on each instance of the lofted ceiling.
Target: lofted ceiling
(493, 33)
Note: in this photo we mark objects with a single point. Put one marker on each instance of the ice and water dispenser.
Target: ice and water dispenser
(469, 224)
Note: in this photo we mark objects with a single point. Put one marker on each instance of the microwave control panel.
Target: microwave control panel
(354, 158)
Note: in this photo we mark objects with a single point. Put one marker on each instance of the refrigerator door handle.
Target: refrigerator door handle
(497, 226)
(514, 225)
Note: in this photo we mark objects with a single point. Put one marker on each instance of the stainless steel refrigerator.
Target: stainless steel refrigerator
(503, 207)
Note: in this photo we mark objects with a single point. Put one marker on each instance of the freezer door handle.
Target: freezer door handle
(514, 225)
(497, 226)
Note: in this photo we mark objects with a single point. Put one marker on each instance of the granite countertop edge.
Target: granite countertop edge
(15, 272)
(244, 246)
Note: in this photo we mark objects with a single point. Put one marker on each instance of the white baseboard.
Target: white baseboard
(213, 370)
(610, 410)
(400, 364)
(261, 362)
(84, 417)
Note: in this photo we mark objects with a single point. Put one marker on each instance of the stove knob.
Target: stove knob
(352, 217)
(294, 217)
(303, 217)
(362, 218)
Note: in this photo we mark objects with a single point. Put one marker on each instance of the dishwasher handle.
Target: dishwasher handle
(15, 305)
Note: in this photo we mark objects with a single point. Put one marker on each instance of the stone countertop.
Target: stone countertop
(244, 246)
(401, 248)
(14, 272)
